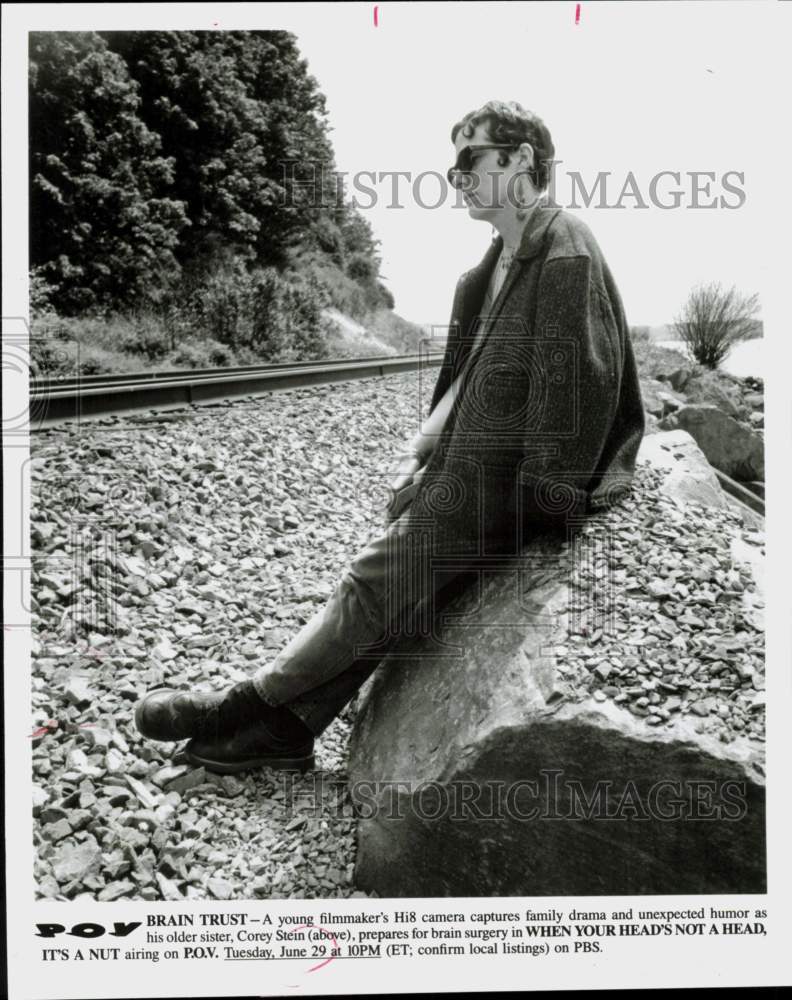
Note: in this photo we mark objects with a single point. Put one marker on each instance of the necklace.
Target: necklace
(506, 257)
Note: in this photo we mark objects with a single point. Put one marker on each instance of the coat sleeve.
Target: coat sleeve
(577, 354)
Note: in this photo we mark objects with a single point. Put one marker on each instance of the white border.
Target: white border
(737, 961)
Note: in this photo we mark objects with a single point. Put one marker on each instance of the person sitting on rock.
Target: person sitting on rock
(535, 421)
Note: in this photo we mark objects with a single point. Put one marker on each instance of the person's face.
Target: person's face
(489, 189)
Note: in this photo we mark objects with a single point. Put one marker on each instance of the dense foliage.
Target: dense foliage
(186, 179)
(105, 219)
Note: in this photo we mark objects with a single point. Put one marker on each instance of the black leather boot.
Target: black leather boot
(166, 714)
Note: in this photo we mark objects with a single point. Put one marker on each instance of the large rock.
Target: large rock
(727, 444)
(678, 376)
(720, 389)
(685, 471)
(658, 400)
(475, 752)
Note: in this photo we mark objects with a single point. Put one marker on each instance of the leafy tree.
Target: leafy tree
(713, 319)
(188, 178)
(357, 234)
(102, 226)
(245, 125)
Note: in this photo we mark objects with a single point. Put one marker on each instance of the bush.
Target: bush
(141, 333)
(96, 344)
(713, 319)
(361, 268)
(276, 316)
(221, 315)
(201, 354)
(96, 360)
(330, 240)
(221, 355)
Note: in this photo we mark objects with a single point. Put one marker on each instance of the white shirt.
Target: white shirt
(497, 278)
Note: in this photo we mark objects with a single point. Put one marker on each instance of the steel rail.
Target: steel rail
(49, 382)
(52, 403)
(747, 497)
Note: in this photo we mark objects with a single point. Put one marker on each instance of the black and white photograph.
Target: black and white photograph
(387, 475)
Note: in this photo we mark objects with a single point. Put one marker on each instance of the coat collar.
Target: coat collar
(534, 230)
(530, 242)
(478, 278)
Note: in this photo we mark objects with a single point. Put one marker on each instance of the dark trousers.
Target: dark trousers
(390, 589)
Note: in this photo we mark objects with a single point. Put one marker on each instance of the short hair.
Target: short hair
(508, 121)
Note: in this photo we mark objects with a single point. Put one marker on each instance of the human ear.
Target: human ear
(525, 152)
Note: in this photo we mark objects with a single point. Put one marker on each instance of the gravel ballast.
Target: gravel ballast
(207, 538)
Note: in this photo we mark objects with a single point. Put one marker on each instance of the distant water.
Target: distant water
(746, 358)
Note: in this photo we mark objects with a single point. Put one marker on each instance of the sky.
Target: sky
(641, 88)
(631, 89)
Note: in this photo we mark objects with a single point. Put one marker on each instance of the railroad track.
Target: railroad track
(747, 497)
(54, 401)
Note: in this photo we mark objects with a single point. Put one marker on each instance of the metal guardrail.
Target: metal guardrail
(53, 401)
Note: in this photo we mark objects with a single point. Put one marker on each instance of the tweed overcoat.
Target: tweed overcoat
(549, 416)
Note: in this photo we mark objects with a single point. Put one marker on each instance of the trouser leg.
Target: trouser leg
(320, 705)
(372, 606)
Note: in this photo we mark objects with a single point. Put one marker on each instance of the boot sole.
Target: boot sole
(285, 762)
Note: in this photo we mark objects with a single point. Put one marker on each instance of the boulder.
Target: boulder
(657, 399)
(472, 777)
(679, 377)
(671, 364)
(718, 388)
(727, 444)
(481, 764)
(685, 472)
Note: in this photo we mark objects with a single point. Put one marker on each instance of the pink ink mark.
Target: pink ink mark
(577, 13)
(51, 725)
(376, 17)
(318, 927)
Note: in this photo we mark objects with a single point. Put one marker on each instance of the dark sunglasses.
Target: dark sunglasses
(464, 161)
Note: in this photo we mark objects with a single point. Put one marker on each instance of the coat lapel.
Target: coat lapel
(475, 285)
(530, 244)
